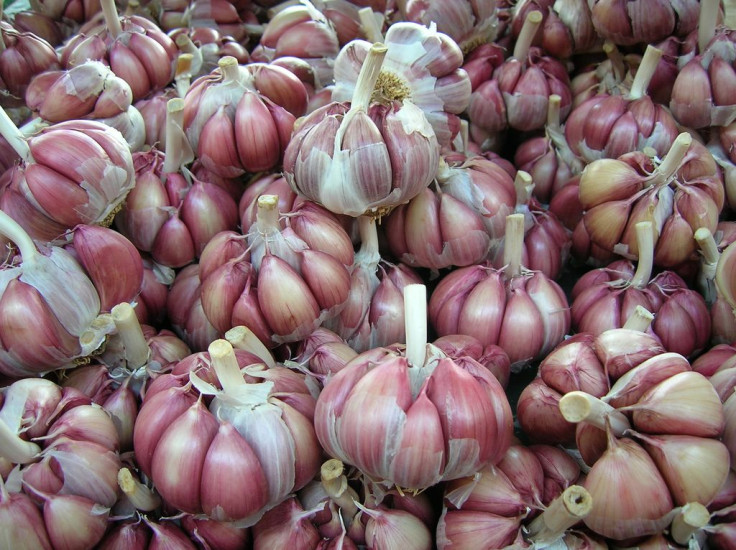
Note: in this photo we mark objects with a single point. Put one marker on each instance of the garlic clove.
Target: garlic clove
(217, 145)
(694, 468)
(381, 397)
(470, 529)
(287, 303)
(420, 458)
(326, 277)
(620, 350)
(231, 463)
(185, 444)
(112, 262)
(477, 433)
(686, 403)
(630, 498)
(158, 411)
(538, 412)
(307, 451)
(630, 387)
(256, 134)
(387, 528)
(73, 521)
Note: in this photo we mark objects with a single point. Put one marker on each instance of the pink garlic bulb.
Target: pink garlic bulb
(283, 278)
(412, 419)
(134, 47)
(239, 456)
(363, 156)
(239, 118)
(431, 76)
(496, 305)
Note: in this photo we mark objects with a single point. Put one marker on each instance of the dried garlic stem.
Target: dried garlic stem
(553, 112)
(241, 337)
(513, 245)
(183, 74)
(563, 512)
(415, 323)
(369, 72)
(639, 320)
(336, 486)
(618, 67)
(14, 136)
(708, 248)
(175, 153)
(645, 261)
(526, 35)
(110, 12)
(524, 186)
(137, 351)
(674, 156)
(369, 252)
(645, 72)
(369, 25)
(226, 365)
(230, 69)
(140, 496)
(691, 518)
(578, 406)
(707, 21)
(729, 14)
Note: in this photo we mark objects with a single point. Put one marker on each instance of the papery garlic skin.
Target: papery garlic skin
(362, 163)
(422, 65)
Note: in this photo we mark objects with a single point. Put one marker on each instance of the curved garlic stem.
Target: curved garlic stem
(708, 248)
(369, 253)
(524, 186)
(691, 518)
(645, 262)
(674, 156)
(226, 365)
(15, 449)
(369, 72)
(415, 323)
(369, 25)
(33, 126)
(553, 112)
(13, 231)
(645, 72)
(183, 74)
(229, 68)
(267, 214)
(14, 136)
(613, 54)
(140, 496)
(578, 406)
(336, 486)
(174, 152)
(526, 35)
(562, 513)
(707, 21)
(137, 351)
(110, 12)
(639, 320)
(241, 337)
(513, 245)
(708, 264)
